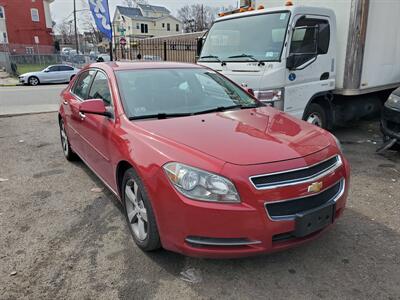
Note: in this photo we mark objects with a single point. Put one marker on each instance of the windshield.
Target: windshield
(178, 91)
(259, 37)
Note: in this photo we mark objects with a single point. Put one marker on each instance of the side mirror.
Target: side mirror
(46, 71)
(249, 91)
(94, 107)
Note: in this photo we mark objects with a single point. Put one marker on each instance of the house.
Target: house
(144, 21)
(26, 26)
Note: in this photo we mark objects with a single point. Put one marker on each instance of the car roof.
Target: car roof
(117, 65)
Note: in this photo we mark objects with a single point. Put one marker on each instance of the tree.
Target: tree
(197, 17)
(134, 3)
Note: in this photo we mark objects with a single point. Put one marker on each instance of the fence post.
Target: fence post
(165, 50)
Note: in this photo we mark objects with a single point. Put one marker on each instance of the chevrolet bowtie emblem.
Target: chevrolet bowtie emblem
(315, 187)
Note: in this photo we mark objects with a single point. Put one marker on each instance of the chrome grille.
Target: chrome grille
(297, 176)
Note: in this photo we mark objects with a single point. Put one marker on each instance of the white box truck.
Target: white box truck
(323, 61)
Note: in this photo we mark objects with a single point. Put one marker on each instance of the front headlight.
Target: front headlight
(338, 143)
(201, 185)
(270, 96)
(393, 101)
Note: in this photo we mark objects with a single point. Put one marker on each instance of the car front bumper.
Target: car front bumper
(390, 122)
(23, 80)
(214, 230)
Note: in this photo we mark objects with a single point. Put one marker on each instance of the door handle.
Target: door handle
(82, 115)
(324, 76)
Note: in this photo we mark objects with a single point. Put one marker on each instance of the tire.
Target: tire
(33, 80)
(139, 212)
(316, 115)
(69, 154)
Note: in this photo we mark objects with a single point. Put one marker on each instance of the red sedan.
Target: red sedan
(200, 166)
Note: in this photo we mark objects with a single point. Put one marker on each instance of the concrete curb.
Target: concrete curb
(26, 114)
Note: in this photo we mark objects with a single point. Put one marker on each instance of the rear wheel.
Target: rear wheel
(33, 80)
(68, 152)
(139, 212)
(316, 115)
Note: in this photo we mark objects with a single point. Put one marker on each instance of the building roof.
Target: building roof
(130, 12)
(154, 8)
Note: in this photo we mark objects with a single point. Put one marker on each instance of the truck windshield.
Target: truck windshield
(251, 38)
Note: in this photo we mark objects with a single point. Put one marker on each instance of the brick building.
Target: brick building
(26, 26)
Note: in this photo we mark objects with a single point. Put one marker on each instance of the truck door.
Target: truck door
(310, 65)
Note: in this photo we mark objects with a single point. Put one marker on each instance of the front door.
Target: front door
(97, 131)
(315, 73)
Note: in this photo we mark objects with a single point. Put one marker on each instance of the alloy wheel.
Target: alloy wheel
(33, 81)
(136, 211)
(314, 119)
(64, 139)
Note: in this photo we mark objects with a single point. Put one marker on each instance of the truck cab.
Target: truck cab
(286, 55)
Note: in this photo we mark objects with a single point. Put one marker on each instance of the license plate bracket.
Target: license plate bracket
(314, 220)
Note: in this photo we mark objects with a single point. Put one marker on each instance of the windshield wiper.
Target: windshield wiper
(217, 109)
(215, 57)
(160, 116)
(260, 62)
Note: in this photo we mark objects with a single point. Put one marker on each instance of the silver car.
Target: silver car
(52, 74)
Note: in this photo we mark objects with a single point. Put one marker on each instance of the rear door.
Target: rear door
(78, 93)
(65, 73)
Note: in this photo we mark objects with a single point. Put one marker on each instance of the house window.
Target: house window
(177, 27)
(3, 38)
(2, 12)
(144, 28)
(168, 27)
(35, 14)
(137, 26)
(29, 50)
(163, 25)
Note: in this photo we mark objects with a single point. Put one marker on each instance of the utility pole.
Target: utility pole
(76, 31)
(202, 17)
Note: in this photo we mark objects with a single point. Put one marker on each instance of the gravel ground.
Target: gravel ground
(61, 238)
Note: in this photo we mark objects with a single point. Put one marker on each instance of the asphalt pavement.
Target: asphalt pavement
(29, 99)
(63, 235)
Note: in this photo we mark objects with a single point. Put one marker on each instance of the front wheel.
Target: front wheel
(33, 81)
(139, 212)
(316, 115)
(395, 147)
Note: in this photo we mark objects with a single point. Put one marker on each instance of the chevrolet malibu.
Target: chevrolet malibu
(201, 167)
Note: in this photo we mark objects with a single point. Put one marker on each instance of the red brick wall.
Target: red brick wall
(20, 27)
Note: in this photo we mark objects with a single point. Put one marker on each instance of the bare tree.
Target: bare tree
(197, 17)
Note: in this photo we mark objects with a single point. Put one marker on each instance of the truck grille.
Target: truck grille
(288, 209)
(291, 177)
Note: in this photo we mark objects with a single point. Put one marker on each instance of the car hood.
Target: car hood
(29, 74)
(243, 137)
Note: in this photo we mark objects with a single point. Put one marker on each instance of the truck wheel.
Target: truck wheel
(316, 115)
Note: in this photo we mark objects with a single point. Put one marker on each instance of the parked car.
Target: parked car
(93, 55)
(152, 57)
(78, 59)
(390, 122)
(201, 166)
(52, 74)
(103, 58)
(66, 50)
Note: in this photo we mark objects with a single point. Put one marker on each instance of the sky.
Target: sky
(62, 9)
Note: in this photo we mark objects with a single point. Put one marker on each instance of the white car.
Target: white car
(52, 74)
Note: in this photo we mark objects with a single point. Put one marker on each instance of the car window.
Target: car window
(66, 68)
(53, 69)
(81, 88)
(100, 89)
